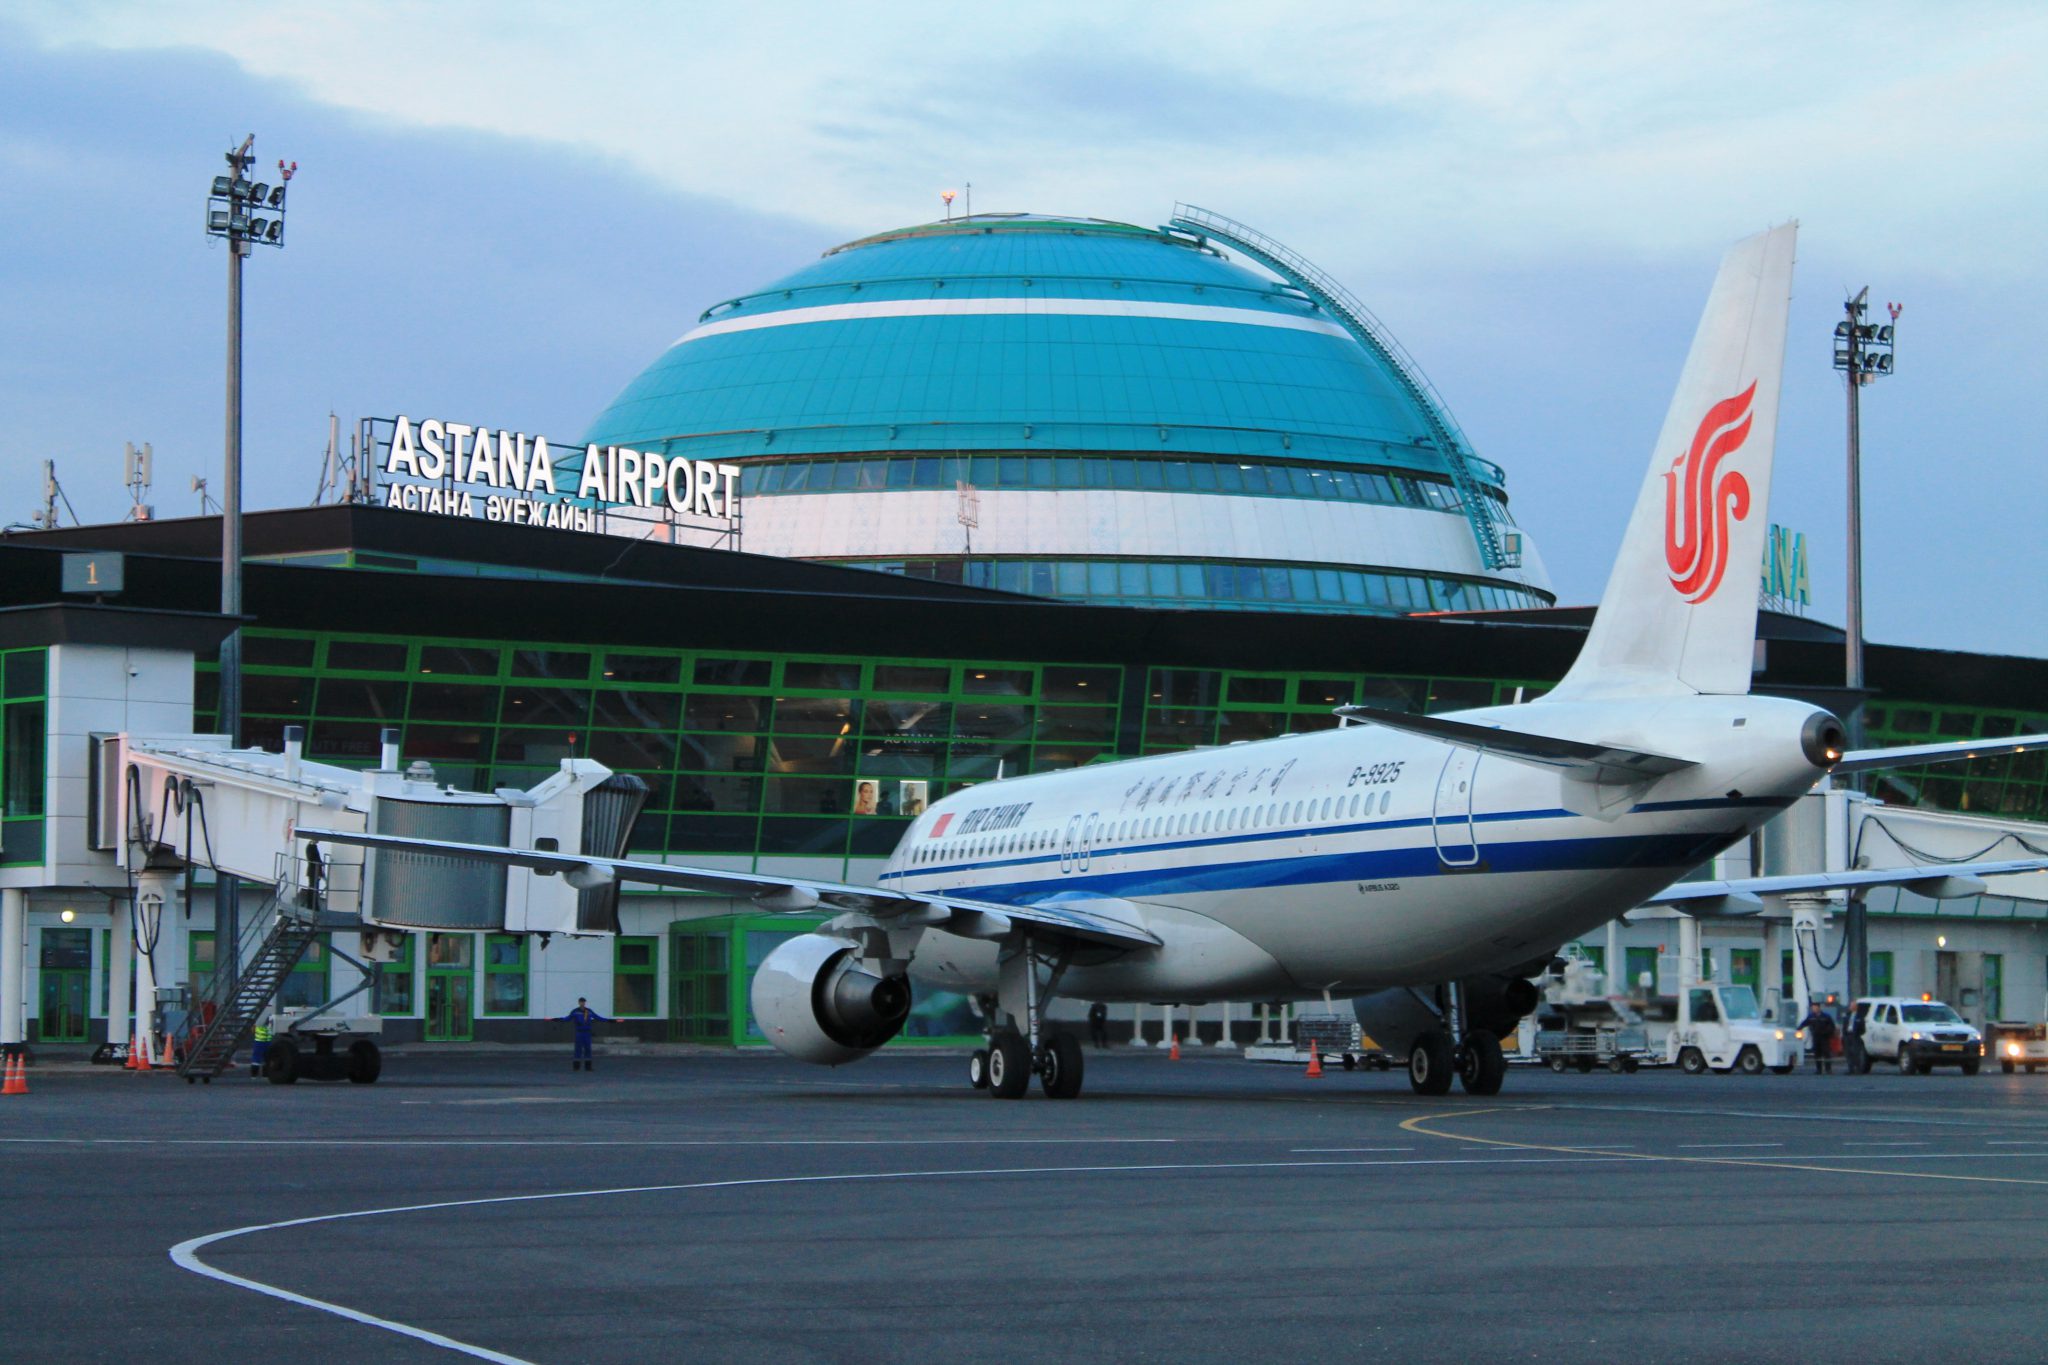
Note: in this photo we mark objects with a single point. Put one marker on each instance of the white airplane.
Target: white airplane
(1438, 861)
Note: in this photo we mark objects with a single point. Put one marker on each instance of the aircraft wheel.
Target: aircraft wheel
(1062, 1067)
(1750, 1062)
(977, 1069)
(281, 1063)
(1481, 1068)
(1430, 1064)
(365, 1062)
(1692, 1061)
(1009, 1067)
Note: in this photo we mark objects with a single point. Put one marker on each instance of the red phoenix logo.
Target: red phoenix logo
(1699, 499)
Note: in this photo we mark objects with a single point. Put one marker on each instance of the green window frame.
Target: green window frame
(24, 720)
(397, 989)
(636, 968)
(306, 985)
(505, 980)
(1881, 973)
(1636, 961)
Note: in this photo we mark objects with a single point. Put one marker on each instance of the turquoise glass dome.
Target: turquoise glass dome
(1024, 333)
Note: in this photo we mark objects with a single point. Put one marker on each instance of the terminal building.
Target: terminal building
(1012, 494)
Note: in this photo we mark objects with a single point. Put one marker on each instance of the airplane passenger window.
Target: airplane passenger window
(1386, 799)
(1326, 808)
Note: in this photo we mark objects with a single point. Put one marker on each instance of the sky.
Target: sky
(508, 209)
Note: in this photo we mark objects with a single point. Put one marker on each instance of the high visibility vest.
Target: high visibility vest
(262, 1033)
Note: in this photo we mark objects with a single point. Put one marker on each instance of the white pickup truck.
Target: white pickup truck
(1914, 1035)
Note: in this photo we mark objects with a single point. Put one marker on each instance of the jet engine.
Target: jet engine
(819, 1001)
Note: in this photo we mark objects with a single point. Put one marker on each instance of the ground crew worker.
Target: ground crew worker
(1820, 1029)
(259, 1049)
(582, 1017)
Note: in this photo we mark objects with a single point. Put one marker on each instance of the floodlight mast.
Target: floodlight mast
(1863, 352)
(232, 208)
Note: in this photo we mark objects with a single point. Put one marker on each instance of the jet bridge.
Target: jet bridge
(175, 805)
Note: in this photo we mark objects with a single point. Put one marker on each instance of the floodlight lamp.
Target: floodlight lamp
(238, 223)
(239, 189)
(1841, 329)
(1884, 364)
(275, 232)
(1884, 334)
(277, 196)
(1841, 359)
(256, 227)
(259, 192)
(216, 220)
(221, 185)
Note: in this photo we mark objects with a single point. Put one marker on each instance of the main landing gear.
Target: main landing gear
(1018, 1045)
(1472, 1055)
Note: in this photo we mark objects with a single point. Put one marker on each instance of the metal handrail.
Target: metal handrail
(1371, 333)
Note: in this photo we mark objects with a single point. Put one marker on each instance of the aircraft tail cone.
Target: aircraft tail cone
(1315, 1063)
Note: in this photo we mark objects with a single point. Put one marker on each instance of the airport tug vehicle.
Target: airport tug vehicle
(1721, 1028)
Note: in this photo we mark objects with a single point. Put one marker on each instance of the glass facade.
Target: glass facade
(767, 755)
(2008, 784)
(945, 471)
(1241, 584)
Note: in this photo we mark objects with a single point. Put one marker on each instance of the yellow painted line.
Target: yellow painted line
(1415, 1125)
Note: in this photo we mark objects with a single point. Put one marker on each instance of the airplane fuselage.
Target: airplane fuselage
(1352, 859)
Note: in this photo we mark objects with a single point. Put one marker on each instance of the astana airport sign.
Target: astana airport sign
(452, 469)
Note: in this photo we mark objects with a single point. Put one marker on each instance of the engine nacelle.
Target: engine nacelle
(818, 1003)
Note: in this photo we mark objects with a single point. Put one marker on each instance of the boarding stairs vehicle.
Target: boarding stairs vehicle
(170, 805)
(1721, 1028)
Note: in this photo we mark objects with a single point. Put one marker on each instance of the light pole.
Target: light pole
(244, 212)
(1863, 352)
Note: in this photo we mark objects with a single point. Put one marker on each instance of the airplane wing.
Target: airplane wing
(1593, 762)
(1862, 760)
(961, 915)
(1743, 895)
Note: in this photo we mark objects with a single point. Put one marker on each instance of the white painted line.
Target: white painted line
(2015, 1142)
(1025, 307)
(595, 1142)
(1299, 1150)
(186, 1254)
(1601, 1146)
(1705, 1146)
(1872, 1142)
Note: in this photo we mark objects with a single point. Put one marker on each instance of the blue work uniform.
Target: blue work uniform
(583, 1017)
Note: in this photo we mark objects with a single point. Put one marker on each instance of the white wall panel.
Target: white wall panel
(1123, 522)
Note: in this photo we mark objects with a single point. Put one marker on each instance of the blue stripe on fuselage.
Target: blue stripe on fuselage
(1492, 853)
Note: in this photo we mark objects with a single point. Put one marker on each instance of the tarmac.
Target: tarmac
(690, 1205)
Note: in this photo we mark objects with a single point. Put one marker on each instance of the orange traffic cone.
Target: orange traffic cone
(1173, 1053)
(129, 1065)
(142, 1053)
(170, 1049)
(17, 1076)
(1315, 1062)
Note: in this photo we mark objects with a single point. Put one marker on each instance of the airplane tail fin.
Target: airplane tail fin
(1679, 613)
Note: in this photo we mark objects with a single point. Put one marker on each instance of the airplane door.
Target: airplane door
(1457, 843)
(1070, 844)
